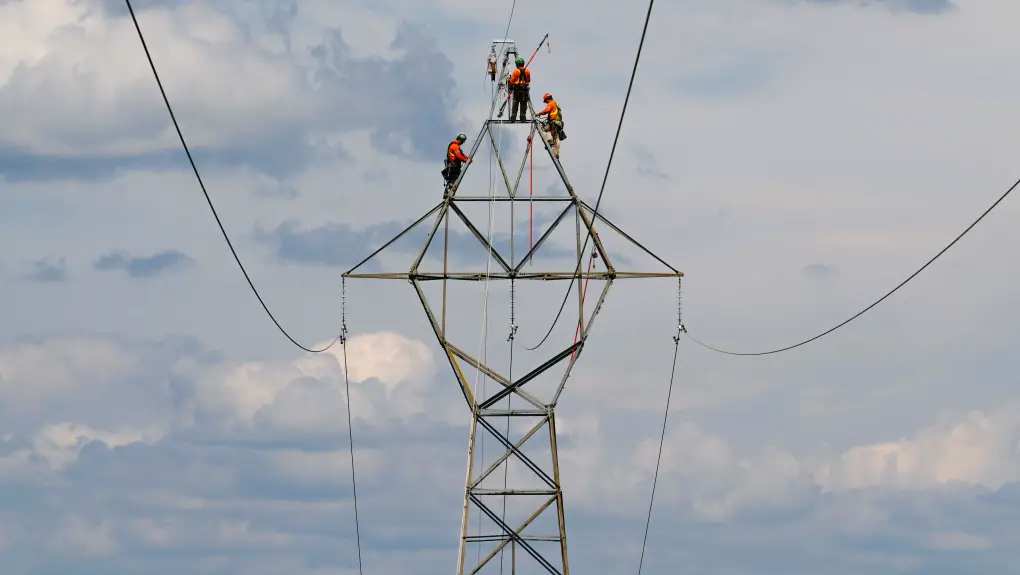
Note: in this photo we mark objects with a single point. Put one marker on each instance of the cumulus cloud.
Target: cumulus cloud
(342, 245)
(266, 97)
(144, 266)
(981, 450)
(818, 270)
(48, 270)
(253, 455)
(177, 458)
(914, 6)
(31, 373)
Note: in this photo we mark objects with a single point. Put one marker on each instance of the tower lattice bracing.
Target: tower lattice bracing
(513, 516)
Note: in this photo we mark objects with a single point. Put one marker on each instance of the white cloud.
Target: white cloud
(117, 110)
(309, 394)
(389, 357)
(81, 536)
(59, 444)
(959, 541)
(981, 449)
(328, 468)
(703, 477)
(30, 373)
(787, 134)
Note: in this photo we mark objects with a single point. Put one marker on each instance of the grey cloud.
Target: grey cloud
(737, 77)
(649, 172)
(48, 270)
(119, 7)
(336, 245)
(95, 379)
(221, 499)
(276, 519)
(818, 271)
(146, 266)
(409, 99)
(286, 152)
(914, 6)
(340, 245)
(407, 103)
(278, 191)
(17, 165)
(648, 165)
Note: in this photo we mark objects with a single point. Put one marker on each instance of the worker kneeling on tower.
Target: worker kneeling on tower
(455, 158)
(554, 126)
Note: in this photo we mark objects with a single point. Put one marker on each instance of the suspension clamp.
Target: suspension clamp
(680, 329)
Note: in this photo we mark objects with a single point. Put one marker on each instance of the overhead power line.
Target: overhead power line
(879, 300)
(201, 184)
(350, 422)
(343, 330)
(658, 461)
(605, 178)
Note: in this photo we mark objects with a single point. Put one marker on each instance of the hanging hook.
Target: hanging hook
(679, 310)
(343, 310)
(513, 314)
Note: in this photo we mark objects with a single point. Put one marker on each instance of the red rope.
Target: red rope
(531, 202)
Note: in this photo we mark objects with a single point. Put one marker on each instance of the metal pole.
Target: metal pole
(467, 492)
(446, 252)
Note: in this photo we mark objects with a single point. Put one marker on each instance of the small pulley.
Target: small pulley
(492, 64)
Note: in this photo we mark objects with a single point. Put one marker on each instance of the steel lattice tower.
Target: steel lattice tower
(538, 488)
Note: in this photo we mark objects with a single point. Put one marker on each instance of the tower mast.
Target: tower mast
(536, 492)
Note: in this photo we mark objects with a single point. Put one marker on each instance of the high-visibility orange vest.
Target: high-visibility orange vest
(515, 78)
(453, 151)
(554, 110)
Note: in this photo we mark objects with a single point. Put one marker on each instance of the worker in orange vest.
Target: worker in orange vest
(554, 127)
(454, 159)
(519, 86)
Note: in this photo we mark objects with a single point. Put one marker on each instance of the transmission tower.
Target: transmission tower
(535, 491)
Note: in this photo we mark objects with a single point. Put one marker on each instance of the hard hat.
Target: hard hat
(547, 97)
(520, 61)
(461, 138)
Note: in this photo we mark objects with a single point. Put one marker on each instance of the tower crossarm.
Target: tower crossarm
(523, 401)
(548, 276)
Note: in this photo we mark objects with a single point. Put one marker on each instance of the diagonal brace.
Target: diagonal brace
(507, 454)
(517, 532)
(480, 237)
(513, 535)
(534, 373)
(492, 374)
(395, 238)
(520, 454)
(544, 237)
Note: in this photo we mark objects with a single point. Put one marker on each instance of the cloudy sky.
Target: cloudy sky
(795, 158)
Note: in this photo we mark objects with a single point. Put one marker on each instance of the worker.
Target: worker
(454, 159)
(520, 85)
(554, 127)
